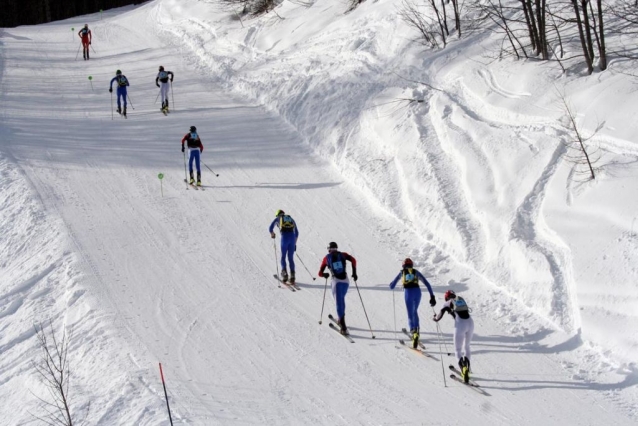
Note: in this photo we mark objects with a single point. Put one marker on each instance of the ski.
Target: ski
(405, 331)
(292, 288)
(418, 350)
(335, 328)
(456, 370)
(197, 188)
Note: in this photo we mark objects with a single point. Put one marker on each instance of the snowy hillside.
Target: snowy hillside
(299, 112)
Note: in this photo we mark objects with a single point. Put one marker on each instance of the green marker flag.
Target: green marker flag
(160, 177)
(100, 14)
(72, 35)
(91, 81)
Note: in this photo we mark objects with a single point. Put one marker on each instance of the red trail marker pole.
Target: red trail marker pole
(165, 394)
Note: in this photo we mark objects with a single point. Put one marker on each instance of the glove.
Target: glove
(325, 275)
(157, 85)
(354, 276)
(434, 318)
(171, 80)
(182, 148)
(295, 247)
(89, 42)
(272, 235)
(432, 301)
(110, 90)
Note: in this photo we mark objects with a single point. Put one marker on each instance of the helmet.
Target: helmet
(118, 72)
(161, 68)
(449, 295)
(407, 263)
(279, 213)
(193, 129)
(86, 25)
(332, 246)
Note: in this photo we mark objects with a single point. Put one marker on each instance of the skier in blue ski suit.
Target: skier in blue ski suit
(289, 234)
(122, 84)
(412, 293)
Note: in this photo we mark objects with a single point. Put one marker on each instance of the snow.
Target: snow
(475, 183)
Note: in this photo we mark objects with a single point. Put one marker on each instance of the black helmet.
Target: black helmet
(332, 246)
(118, 72)
(161, 68)
(86, 25)
(193, 129)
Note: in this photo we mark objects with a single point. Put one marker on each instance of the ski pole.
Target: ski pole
(274, 244)
(394, 312)
(165, 394)
(304, 265)
(129, 101)
(364, 309)
(324, 301)
(92, 48)
(157, 97)
(438, 330)
(173, 96)
(111, 105)
(444, 345)
(211, 170)
(185, 175)
(76, 55)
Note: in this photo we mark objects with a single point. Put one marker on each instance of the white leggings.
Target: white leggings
(164, 87)
(463, 331)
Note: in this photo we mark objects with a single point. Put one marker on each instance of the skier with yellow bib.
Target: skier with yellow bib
(289, 234)
(410, 278)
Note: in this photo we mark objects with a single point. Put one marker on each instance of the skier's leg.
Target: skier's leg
(458, 339)
(291, 254)
(191, 158)
(284, 251)
(124, 95)
(469, 332)
(341, 290)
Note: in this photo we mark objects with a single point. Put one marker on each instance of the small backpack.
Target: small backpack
(121, 81)
(286, 224)
(409, 278)
(459, 305)
(337, 264)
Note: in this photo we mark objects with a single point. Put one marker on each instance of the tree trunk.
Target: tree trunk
(602, 52)
(587, 28)
(583, 42)
(447, 31)
(531, 25)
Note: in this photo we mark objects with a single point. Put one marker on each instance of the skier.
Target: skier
(412, 293)
(463, 329)
(85, 35)
(336, 262)
(289, 234)
(122, 84)
(162, 77)
(195, 148)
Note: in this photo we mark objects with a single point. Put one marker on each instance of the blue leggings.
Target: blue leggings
(194, 155)
(121, 92)
(288, 251)
(412, 301)
(339, 290)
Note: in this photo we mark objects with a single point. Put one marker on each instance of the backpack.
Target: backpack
(286, 224)
(121, 81)
(337, 265)
(459, 305)
(409, 278)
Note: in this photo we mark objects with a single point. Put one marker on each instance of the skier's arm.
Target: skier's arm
(353, 261)
(201, 145)
(157, 81)
(90, 37)
(111, 83)
(395, 281)
(171, 74)
(324, 265)
(425, 281)
(271, 228)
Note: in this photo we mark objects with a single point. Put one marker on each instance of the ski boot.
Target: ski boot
(166, 107)
(192, 181)
(119, 110)
(292, 277)
(199, 178)
(124, 112)
(342, 326)
(464, 363)
(284, 276)
(415, 338)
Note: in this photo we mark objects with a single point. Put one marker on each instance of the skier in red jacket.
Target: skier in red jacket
(195, 148)
(85, 35)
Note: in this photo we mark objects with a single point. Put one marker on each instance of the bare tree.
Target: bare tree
(579, 143)
(411, 14)
(53, 370)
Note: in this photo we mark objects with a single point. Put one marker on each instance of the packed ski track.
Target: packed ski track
(141, 271)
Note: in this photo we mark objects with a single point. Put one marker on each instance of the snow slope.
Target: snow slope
(472, 183)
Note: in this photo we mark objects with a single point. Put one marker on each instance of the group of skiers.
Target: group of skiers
(335, 263)
(163, 80)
